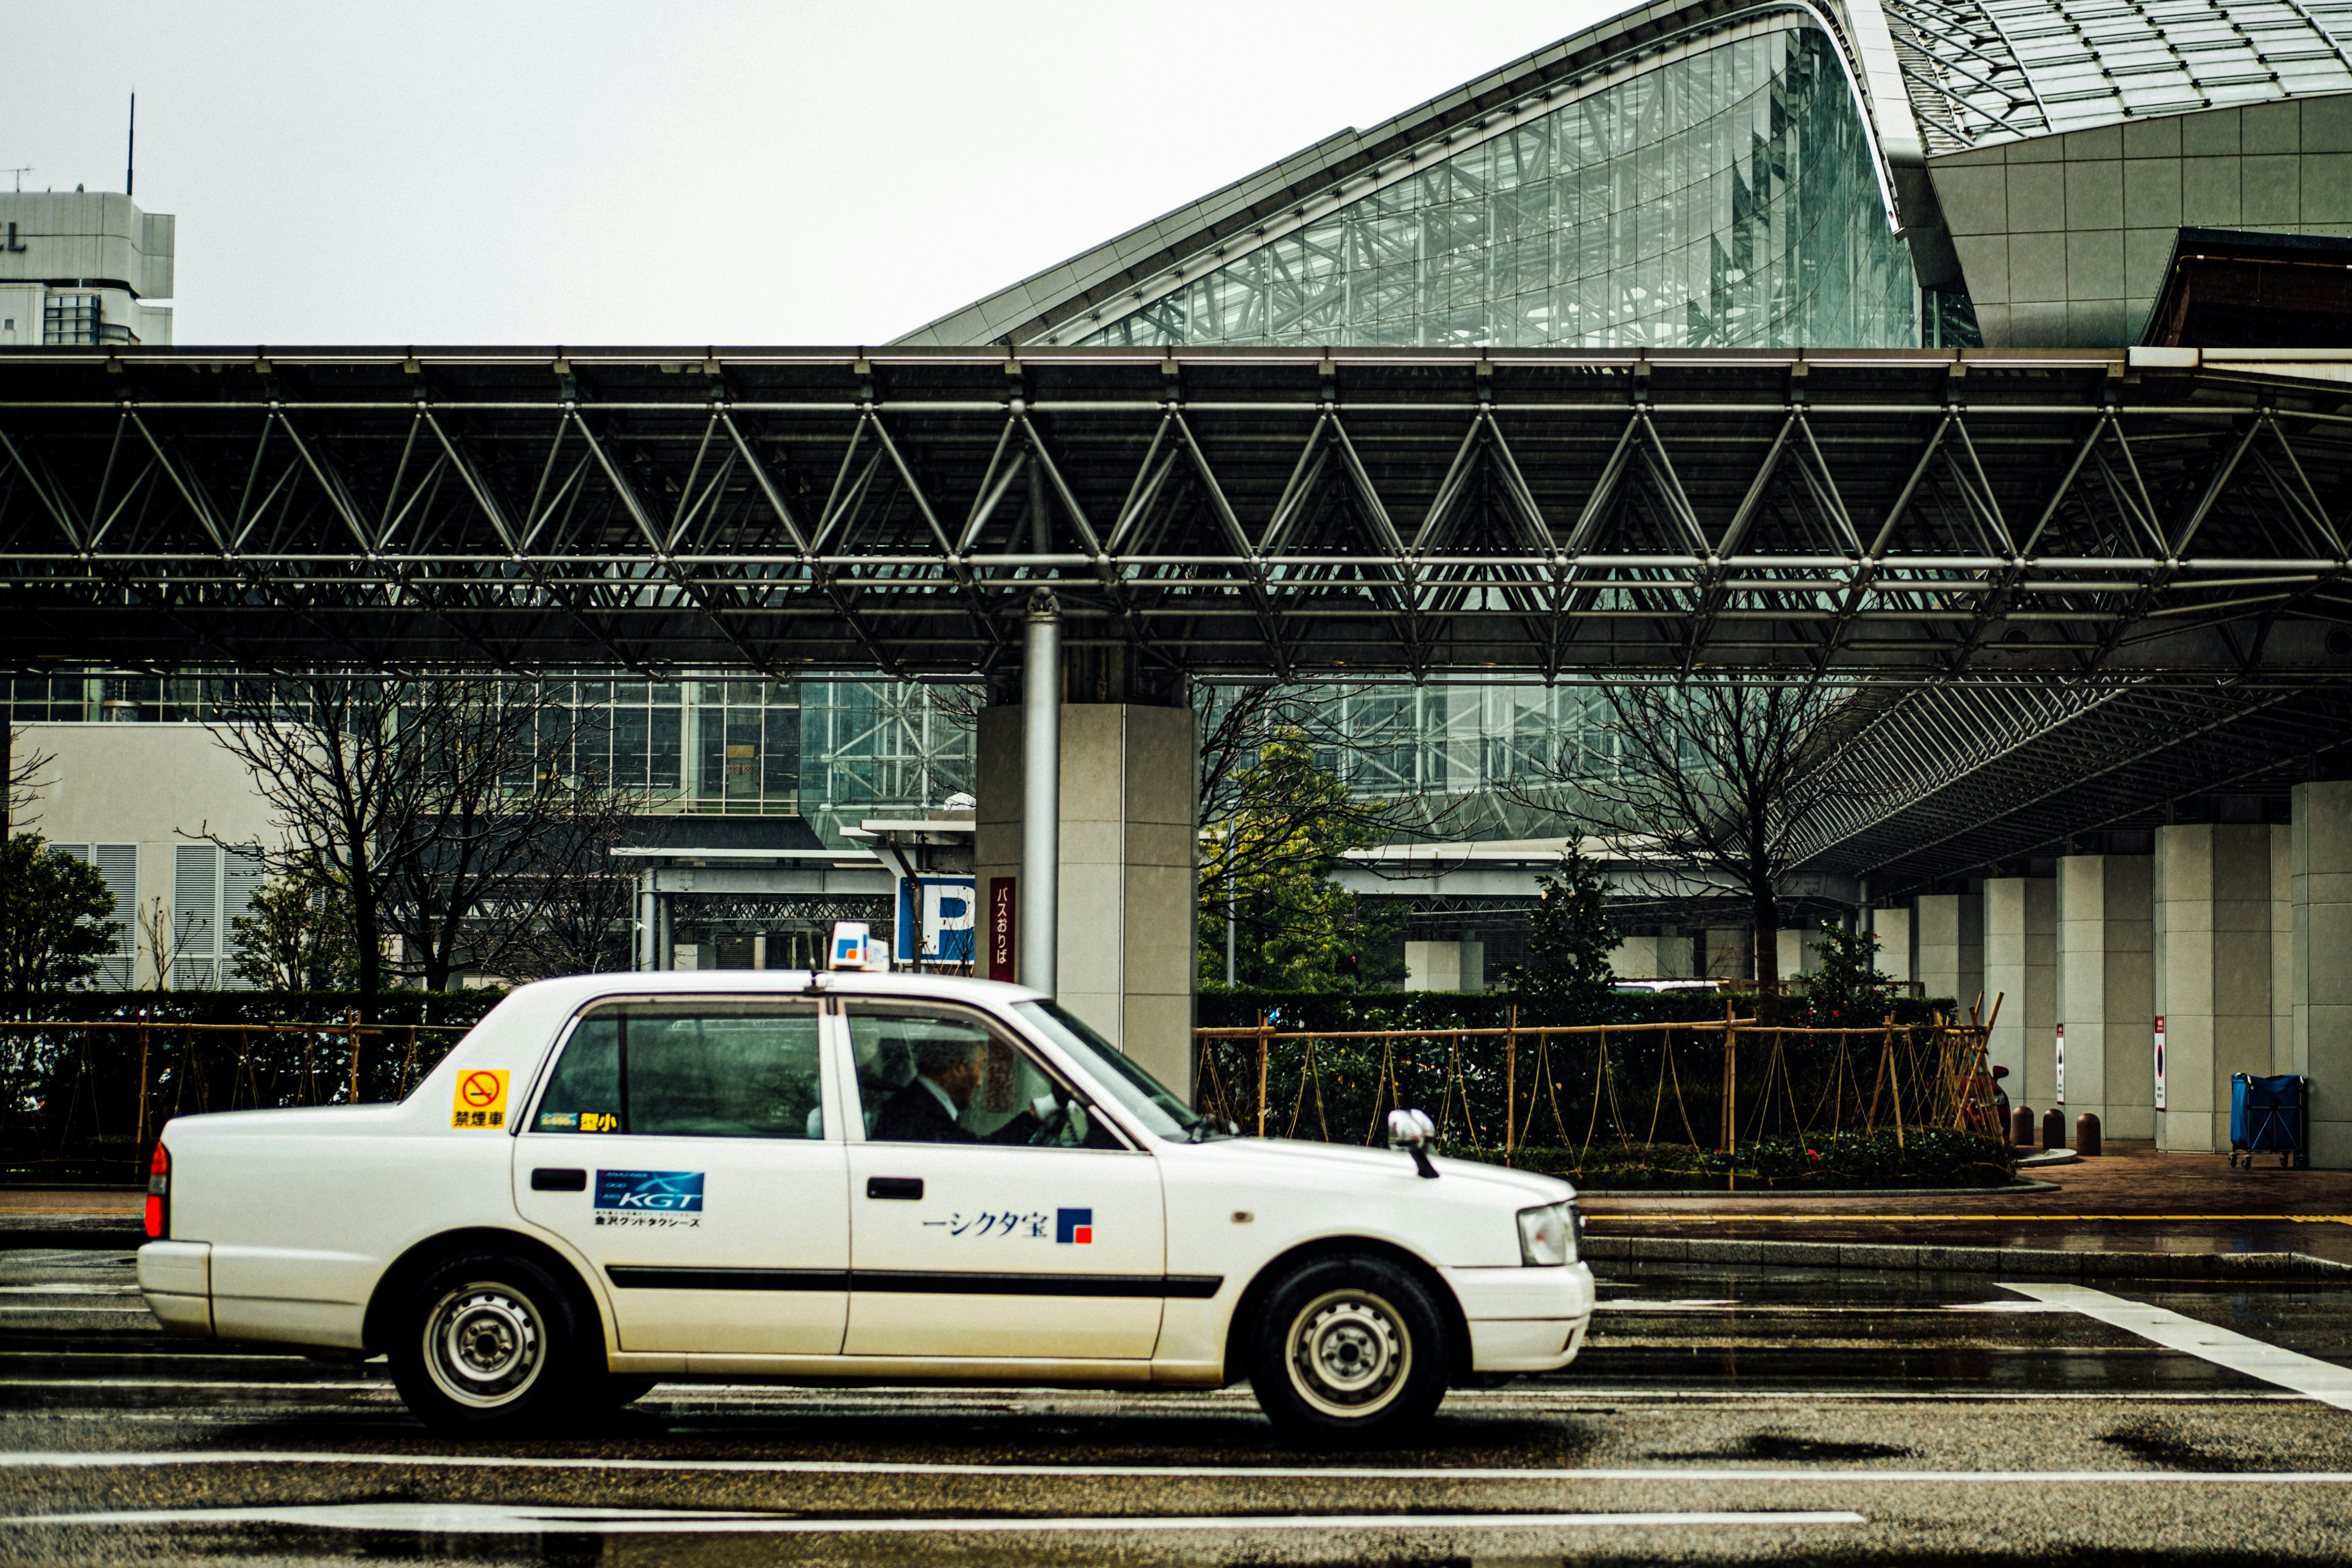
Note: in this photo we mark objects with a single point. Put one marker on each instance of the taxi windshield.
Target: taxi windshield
(1152, 1102)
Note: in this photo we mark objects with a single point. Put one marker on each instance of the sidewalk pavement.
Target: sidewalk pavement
(107, 1216)
(2130, 1200)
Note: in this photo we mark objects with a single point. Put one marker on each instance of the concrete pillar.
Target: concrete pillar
(1952, 947)
(1893, 929)
(1633, 958)
(1445, 966)
(1800, 952)
(2282, 948)
(2212, 971)
(2106, 990)
(1730, 952)
(2021, 967)
(1650, 958)
(2320, 870)
(1123, 950)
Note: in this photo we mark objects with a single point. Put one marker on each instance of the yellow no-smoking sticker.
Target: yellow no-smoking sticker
(482, 1099)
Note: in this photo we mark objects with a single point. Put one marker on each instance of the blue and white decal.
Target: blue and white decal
(657, 1198)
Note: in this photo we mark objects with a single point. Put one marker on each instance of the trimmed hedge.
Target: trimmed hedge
(1338, 1010)
(459, 1009)
(1926, 1157)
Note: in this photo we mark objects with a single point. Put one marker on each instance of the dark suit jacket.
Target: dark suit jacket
(914, 1115)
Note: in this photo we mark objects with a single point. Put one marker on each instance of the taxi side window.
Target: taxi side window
(939, 1075)
(688, 1071)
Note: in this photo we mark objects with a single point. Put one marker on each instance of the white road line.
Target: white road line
(90, 1461)
(383, 1384)
(480, 1519)
(2308, 1375)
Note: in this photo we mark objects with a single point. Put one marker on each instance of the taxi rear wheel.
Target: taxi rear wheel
(491, 1343)
(1349, 1348)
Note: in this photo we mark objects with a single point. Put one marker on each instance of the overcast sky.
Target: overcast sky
(590, 172)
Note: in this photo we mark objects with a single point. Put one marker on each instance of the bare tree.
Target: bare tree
(338, 760)
(27, 777)
(1706, 779)
(584, 920)
(444, 810)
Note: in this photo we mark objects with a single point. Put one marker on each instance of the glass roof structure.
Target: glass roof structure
(1702, 174)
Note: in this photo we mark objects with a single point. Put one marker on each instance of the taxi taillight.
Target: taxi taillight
(159, 1194)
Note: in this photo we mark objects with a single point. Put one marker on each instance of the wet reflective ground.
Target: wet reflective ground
(1717, 1416)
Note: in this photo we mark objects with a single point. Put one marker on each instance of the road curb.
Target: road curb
(24, 1230)
(2014, 1189)
(2001, 1262)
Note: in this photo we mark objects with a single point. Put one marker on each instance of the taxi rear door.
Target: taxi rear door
(689, 1149)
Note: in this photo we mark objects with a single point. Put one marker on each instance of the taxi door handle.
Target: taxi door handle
(894, 1186)
(544, 1180)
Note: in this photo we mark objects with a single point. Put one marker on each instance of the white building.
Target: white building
(83, 268)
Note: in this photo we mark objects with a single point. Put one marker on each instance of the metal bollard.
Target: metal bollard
(2054, 1129)
(2086, 1136)
(2020, 1127)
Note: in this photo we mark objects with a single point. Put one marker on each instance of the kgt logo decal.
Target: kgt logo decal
(662, 1191)
(1074, 1226)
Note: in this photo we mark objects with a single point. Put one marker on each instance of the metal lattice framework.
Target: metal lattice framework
(1903, 516)
(2058, 590)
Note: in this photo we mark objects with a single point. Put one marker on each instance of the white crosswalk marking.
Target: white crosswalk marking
(2308, 1375)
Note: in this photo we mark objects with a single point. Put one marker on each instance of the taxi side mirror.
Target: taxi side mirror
(1414, 1131)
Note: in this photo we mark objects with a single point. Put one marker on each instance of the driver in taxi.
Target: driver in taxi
(946, 1075)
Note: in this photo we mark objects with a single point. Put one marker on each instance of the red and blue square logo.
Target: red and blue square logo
(1074, 1226)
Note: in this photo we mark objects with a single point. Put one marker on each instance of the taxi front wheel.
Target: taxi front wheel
(1349, 1348)
(491, 1343)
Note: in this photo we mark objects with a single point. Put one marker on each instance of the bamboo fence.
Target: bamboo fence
(1494, 1092)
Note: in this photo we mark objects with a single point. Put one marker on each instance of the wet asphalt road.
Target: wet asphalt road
(1716, 1418)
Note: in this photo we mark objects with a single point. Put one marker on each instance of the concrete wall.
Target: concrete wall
(1124, 951)
(1800, 952)
(1730, 952)
(2106, 990)
(2020, 968)
(158, 786)
(2065, 239)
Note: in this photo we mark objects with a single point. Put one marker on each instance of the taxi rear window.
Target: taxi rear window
(707, 1070)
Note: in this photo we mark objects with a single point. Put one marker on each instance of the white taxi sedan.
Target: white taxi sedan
(620, 1180)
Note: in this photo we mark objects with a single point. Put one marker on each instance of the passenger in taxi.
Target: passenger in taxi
(948, 1072)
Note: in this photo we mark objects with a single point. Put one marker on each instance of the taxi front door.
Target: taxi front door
(964, 1247)
(687, 1149)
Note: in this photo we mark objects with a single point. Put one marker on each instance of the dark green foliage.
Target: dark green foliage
(1289, 823)
(1492, 1010)
(69, 1097)
(299, 935)
(55, 924)
(1849, 990)
(1570, 940)
(1925, 1157)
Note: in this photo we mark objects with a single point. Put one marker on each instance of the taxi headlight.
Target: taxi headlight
(1547, 1234)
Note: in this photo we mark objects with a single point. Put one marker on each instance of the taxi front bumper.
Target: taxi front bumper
(1523, 1318)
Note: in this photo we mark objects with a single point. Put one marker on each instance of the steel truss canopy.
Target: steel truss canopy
(1907, 516)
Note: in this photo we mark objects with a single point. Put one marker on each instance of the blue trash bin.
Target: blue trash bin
(2269, 1115)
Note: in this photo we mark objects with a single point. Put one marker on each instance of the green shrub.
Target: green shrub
(1924, 1158)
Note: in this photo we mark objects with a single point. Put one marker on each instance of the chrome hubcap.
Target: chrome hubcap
(1349, 1353)
(483, 1344)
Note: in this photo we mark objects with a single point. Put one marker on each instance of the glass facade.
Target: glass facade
(833, 752)
(1726, 198)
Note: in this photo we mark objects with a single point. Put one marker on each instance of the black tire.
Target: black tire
(1349, 1348)
(488, 1342)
